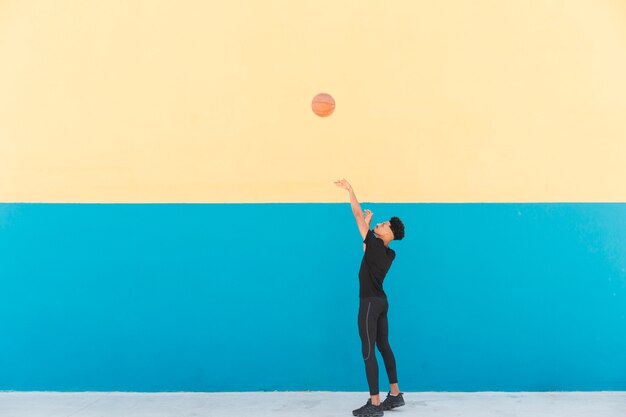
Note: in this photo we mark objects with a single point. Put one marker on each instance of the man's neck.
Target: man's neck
(383, 239)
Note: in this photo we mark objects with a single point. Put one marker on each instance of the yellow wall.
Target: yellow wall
(209, 101)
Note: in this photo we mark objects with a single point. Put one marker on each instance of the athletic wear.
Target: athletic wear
(374, 266)
(373, 330)
(373, 307)
(369, 410)
(392, 401)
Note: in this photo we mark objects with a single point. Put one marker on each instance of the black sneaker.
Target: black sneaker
(392, 401)
(369, 410)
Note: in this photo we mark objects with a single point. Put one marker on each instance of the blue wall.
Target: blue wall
(239, 297)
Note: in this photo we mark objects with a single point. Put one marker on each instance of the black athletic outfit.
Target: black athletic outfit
(373, 307)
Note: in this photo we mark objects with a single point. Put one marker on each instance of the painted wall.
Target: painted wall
(510, 110)
(168, 297)
(209, 101)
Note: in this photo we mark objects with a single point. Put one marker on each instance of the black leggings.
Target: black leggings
(373, 328)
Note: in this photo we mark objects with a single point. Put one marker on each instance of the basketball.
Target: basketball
(323, 104)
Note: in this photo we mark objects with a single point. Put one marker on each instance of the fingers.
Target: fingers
(342, 184)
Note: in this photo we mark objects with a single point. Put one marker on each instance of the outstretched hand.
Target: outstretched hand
(343, 184)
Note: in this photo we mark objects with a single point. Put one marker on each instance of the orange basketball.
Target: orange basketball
(323, 104)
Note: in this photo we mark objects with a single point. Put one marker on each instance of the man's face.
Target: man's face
(383, 228)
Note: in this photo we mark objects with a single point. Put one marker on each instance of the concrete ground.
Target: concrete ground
(309, 403)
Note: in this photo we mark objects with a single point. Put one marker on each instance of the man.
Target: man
(373, 306)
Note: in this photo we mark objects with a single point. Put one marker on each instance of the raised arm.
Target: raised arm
(368, 221)
(356, 207)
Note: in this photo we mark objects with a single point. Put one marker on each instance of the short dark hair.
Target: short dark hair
(397, 227)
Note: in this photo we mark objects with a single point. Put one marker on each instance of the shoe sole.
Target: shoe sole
(368, 415)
